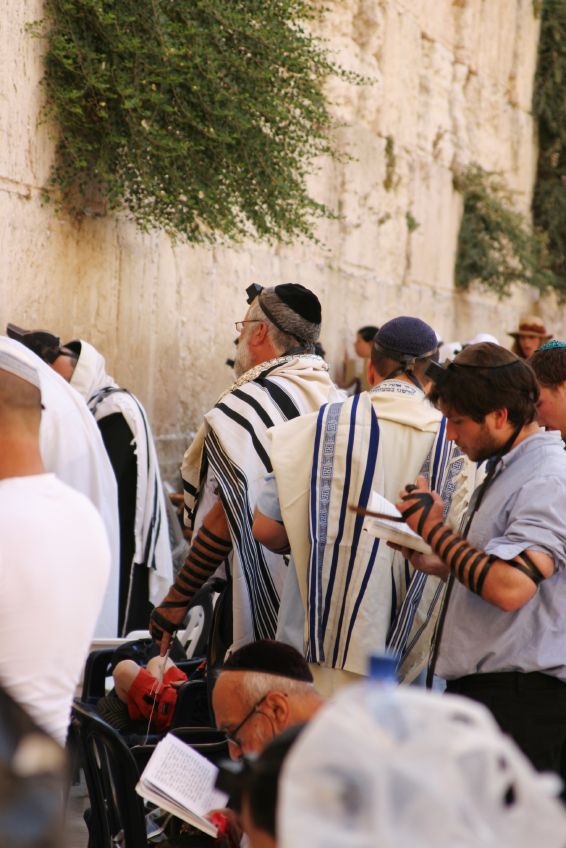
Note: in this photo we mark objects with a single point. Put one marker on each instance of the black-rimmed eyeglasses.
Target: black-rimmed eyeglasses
(239, 325)
(232, 736)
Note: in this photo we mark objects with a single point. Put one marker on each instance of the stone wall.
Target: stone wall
(452, 84)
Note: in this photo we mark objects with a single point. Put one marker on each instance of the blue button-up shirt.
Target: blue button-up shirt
(523, 508)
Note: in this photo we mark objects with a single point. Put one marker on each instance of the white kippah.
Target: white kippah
(15, 366)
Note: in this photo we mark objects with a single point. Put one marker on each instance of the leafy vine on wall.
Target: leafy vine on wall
(497, 246)
(200, 117)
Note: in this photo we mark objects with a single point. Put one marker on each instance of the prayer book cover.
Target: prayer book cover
(391, 531)
(181, 781)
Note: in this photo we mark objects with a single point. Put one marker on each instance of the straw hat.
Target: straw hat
(532, 325)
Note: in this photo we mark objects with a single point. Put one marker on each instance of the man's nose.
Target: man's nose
(235, 751)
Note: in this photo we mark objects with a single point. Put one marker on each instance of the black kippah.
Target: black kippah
(270, 657)
(43, 344)
(301, 300)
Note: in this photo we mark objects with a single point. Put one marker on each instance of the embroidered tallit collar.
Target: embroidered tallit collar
(255, 372)
(402, 387)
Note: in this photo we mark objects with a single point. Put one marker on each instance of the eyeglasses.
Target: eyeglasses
(232, 737)
(240, 324)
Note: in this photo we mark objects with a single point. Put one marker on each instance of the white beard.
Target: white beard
(242, 360)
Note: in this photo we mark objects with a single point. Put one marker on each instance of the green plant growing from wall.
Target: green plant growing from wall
(496, 245)
(549, 107)
(201, 117)
(391, 180)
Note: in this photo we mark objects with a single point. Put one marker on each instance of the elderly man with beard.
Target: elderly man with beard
(278, 378)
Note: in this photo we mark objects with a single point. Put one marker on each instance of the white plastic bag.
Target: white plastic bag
(383, 767)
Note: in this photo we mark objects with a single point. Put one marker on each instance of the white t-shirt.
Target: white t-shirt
(54, 566)
(72, 448)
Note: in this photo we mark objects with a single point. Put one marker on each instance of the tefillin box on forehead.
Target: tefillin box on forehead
(253, 291)
(438, 373)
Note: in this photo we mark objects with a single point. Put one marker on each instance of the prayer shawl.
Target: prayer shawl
(104, 397)
(359, 595)
(72, 448)
(231, 448)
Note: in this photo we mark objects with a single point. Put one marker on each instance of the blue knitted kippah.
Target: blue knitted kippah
(553, 345)
(407, 335)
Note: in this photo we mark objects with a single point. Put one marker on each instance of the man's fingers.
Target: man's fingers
(164, 644)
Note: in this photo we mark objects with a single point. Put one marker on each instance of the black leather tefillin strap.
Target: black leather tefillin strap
(202, 560)
(421, 501)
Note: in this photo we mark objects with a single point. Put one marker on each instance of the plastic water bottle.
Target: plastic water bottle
(381, 693)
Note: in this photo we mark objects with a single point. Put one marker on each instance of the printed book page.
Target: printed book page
(181, 780)
(391, 531)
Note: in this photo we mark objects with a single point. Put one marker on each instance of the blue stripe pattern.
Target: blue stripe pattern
(358, 524)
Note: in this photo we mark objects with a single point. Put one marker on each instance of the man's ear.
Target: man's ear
(278, 705)
(258, 336)
(373, 376)
(500, 417)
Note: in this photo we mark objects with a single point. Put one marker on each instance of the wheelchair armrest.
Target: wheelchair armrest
(96, 671)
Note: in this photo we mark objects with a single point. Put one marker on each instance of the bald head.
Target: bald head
(20, 403)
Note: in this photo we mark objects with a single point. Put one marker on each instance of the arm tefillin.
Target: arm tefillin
(466, 563)
(471, 566)
(206, 554)
(420, 500)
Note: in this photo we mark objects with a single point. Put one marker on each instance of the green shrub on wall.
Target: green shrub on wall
(497, 247)
(201, 117)
(549, 107)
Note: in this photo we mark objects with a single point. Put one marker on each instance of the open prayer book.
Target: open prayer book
(390, 531)
(181, 781)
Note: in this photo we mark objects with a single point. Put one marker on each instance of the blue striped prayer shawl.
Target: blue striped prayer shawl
(348, 600)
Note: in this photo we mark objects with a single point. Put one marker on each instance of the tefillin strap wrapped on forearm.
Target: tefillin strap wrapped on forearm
(470, 566)
(207, 552)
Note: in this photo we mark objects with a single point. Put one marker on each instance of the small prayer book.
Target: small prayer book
(390, 531)
(181, 781)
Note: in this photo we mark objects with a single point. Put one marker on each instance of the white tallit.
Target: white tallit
(355, 590)
(231, 446)
(104, 397)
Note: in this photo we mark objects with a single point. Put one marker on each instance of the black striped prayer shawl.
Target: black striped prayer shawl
(231, 448)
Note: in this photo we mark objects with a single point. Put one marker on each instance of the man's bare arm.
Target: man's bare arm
(270, 533)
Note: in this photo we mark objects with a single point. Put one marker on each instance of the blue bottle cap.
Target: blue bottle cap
(383, 667)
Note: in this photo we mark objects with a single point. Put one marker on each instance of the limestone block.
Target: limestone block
(399, 60)
(435, 84)
(438, 209)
